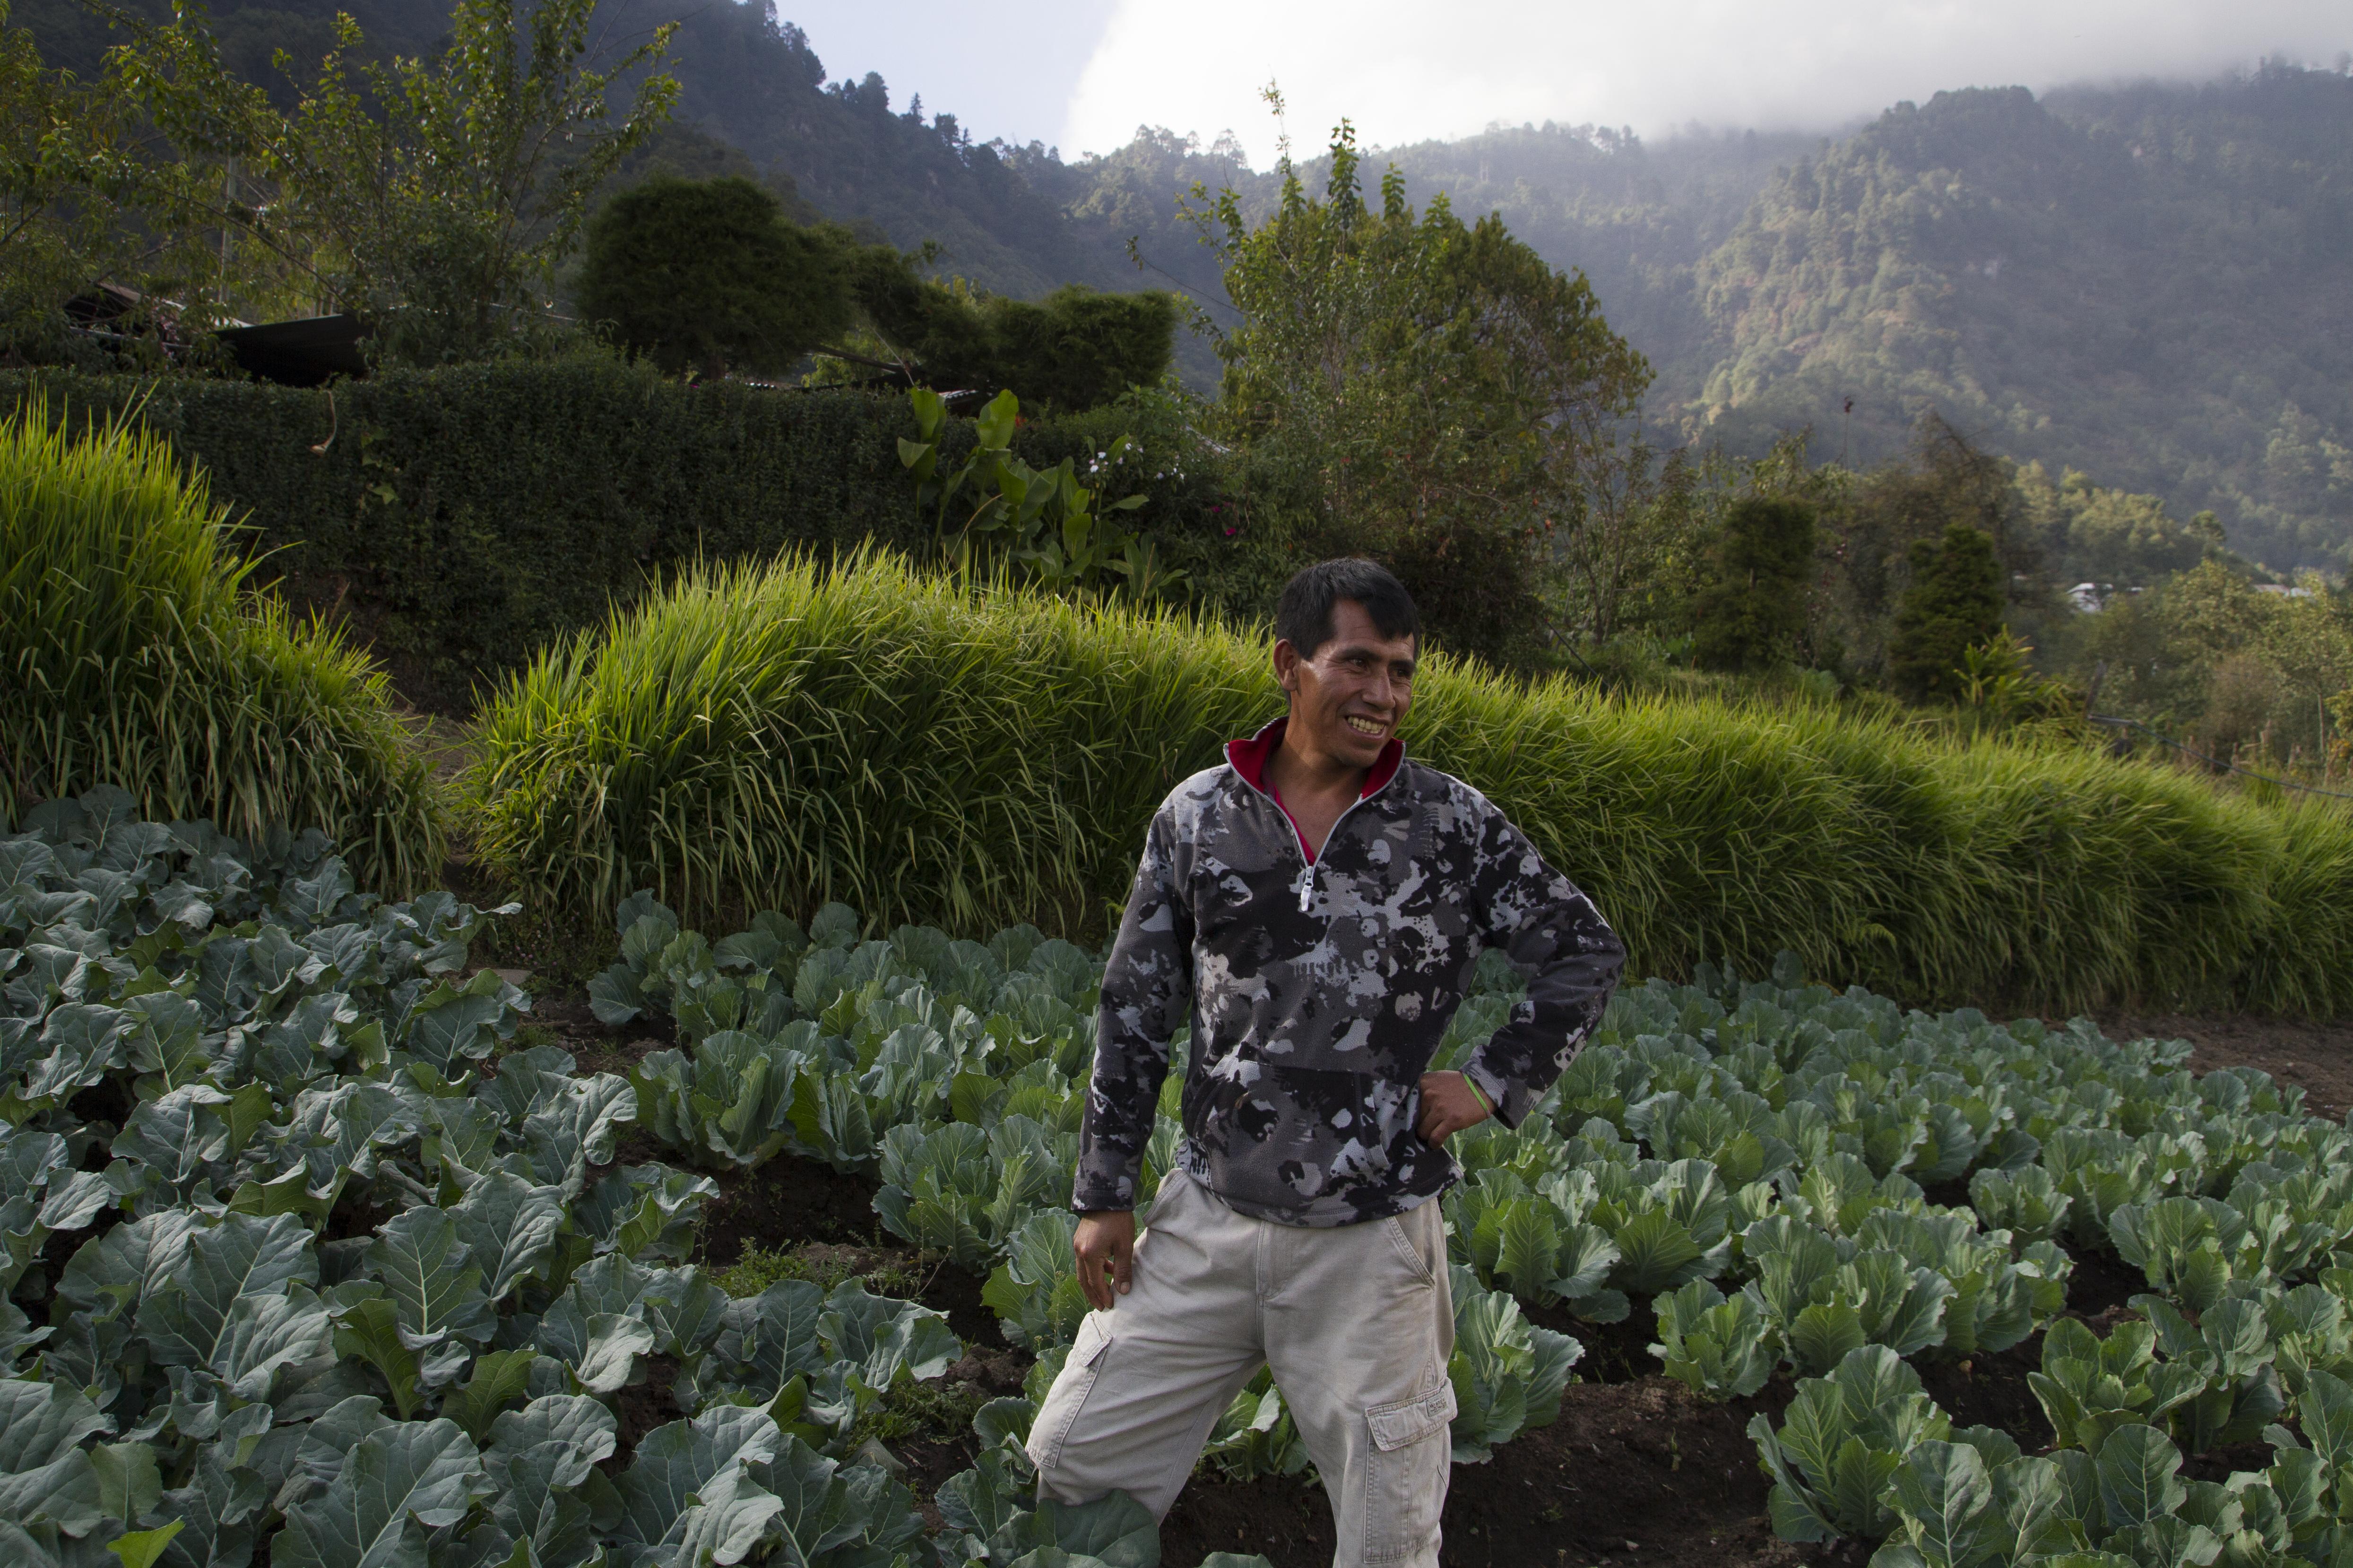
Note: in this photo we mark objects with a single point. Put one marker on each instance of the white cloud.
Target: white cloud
(1406, 71)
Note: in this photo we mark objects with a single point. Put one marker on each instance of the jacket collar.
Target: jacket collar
(1249, 757)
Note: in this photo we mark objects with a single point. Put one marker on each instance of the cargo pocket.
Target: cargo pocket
(1405, 1476)
(1068, 1394)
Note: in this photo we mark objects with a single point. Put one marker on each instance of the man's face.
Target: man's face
(1348, 701)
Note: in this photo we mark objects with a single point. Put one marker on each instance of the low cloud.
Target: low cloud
(1404, 73)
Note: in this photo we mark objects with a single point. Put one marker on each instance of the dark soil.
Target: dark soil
(1643, 1472)
(2102, 1282)
(787, 1202)
(1990, 1389)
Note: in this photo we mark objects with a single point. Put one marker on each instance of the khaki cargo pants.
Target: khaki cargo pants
(1354, 1320)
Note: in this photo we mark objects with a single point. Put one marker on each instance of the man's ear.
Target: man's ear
(1286, 663)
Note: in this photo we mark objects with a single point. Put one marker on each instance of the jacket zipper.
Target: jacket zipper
(1308, 867)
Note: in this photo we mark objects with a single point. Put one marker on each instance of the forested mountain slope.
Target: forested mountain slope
(2150, 283)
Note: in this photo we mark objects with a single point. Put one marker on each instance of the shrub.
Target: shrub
(1752, 613)
(784, 736)
(709, 273)
(135, 657)
(1953, 605)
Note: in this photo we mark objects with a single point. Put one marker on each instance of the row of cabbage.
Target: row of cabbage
(1692, 1144)
(951, 1072)
(2231, 1204)
(1755, 1160)
(332, 1280)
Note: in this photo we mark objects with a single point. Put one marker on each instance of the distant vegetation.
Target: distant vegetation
(2141, 283)
(2074, 355)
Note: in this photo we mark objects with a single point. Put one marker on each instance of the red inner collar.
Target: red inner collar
(1249, 758)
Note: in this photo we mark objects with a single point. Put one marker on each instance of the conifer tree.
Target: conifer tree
(1750, 615)
(1954, 604)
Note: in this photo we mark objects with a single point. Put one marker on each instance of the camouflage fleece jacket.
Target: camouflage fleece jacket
(1318, 991)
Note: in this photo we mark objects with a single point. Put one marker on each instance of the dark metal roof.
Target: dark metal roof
(302, 353)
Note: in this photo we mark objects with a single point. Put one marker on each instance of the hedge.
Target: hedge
(464, 518)
(782, 736)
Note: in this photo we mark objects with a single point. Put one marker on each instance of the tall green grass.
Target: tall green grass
(789, 734)
(134, 652)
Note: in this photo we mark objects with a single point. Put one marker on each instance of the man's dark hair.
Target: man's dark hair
(1303, 618)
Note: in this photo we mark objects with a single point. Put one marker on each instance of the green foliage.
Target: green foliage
(1078, 348)
(1954, 604)
(85, 196)
(1919, 869)
(137, 657)
(1075, 348)
(710, 274)
(1752, 612)
(1417, 388)
(996, 509)
(1724, 1349)
(471, 516)
(299, 1060)
(434, 197)
(1840, 1443)
(1506, 1373)
(1256, 1436)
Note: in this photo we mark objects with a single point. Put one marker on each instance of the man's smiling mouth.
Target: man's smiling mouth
(1365, 726)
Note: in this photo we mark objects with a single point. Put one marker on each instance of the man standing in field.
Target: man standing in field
(1318, 903)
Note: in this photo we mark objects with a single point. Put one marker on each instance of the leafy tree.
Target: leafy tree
(1753, 611)
(1631, 551)
(1416, 388)
(91, 193)
(1953, 604)
(710, 274)
(435, 197)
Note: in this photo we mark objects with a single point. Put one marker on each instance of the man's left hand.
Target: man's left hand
(1448, 1104)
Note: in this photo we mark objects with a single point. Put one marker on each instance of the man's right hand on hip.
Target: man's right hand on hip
(1105, 1245)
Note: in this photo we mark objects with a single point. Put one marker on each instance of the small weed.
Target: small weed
(901, 1275)
(905, 1276)
(935, 1411)
(757, 1267)
(529, 1035)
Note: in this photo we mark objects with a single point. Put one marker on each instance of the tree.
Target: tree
(1629, 554)
(91, 193)
(710, 273)
(1753, 610)
(1872, 529)
(1416, 387)
(436, 198)
(1953, 604)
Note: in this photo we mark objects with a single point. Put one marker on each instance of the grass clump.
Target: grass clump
(133, 653)
(791, 734)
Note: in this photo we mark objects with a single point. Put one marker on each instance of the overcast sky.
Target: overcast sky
(1083, 74)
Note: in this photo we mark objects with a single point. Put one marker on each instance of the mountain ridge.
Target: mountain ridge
(2146, 281)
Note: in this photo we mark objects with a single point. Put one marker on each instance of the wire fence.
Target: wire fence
(2217, 762)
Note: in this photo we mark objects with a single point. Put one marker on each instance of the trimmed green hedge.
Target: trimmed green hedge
(782, 736)
(464, 518)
